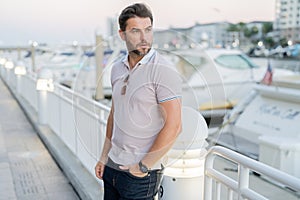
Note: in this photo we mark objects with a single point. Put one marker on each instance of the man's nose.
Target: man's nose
(142, 35)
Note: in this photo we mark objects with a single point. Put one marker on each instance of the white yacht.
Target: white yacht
(265, 125)
(217, 78)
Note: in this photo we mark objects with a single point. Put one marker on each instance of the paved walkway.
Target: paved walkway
(27, 170)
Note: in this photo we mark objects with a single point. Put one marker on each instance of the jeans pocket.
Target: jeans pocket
(134, 187)
(136, 177)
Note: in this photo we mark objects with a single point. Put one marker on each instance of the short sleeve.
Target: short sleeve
(169, 83)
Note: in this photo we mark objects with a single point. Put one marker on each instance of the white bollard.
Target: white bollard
(44, 85)
(184, 177)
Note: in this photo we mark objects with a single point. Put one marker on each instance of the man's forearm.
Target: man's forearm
(105, 151)
(162, 145)
(107, 142)
(171, 111)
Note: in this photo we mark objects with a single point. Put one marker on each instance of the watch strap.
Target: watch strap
(143, 168)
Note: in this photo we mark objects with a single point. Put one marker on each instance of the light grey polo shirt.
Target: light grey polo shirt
(137, 116)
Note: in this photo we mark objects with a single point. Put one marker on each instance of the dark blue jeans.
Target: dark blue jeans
(122, 185)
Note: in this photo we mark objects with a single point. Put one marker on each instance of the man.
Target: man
(145, 117)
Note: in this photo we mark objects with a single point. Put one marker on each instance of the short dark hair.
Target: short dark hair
(135, 10)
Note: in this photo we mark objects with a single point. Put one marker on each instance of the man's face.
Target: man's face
(138, 35)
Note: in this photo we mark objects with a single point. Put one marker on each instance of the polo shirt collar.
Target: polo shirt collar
(143, 61)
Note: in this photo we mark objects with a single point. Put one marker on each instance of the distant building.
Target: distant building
(173, 38)
(112, 26)
(113, 38)
(214, 33)
(233, 39)
(207, 35)
(287, 19)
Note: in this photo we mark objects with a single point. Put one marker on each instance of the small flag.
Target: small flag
(267, 80)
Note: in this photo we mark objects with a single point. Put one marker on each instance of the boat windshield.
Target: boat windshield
(195, 61)
(187, 65)
(235, 61)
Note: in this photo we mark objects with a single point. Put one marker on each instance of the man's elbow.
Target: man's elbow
(175, 128)
(178, 128)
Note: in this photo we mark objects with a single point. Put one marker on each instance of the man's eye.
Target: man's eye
(135, 31)
(148, 30)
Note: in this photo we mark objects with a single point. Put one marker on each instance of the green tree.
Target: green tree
(241, 26)
(254, 30)
(283, 42)
(247, 33)
(232, 28)
(250, 32)
(267, 27)
(269, 42)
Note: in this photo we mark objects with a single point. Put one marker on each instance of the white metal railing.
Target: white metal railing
(28, 89)
(240, 186)
(78, 121)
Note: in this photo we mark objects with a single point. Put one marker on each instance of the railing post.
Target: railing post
(42, 107)
(20, 70)
(243, 174)
(9, 65)
(43, 85)
(2, 66)
(209, 163)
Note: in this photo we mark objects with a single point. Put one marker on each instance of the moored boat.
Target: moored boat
(265, 125)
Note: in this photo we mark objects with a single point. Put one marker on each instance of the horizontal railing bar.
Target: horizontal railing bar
(258, 167)
(84, 110)
(90, 101)
(225, 180)
(250, 194)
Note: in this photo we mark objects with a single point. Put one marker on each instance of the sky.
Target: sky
(63, 21)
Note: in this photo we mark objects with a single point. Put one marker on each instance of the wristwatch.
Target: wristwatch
(143, 168)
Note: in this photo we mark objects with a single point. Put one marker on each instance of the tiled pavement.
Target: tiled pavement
(27, 170)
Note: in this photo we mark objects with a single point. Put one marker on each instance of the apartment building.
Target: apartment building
(287, 19)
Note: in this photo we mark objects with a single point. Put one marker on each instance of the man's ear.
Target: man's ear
(122, 34)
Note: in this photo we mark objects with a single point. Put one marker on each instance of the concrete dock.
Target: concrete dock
(27, 170)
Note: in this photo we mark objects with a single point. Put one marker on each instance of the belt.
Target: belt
(110, 163)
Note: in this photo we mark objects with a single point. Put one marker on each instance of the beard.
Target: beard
(141, 53)
(140, 49)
